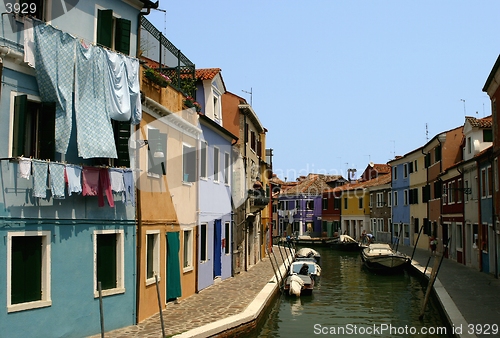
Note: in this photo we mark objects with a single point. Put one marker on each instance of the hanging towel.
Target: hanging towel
(40, 175)
(74, 176)
(29, 42)
(95, 136)
(116, 178)
(117, 91)
(24, 168)
(105, 188)
(90, 179)
(133, 68)
(57, 180)
(128, 178)
(55, 64)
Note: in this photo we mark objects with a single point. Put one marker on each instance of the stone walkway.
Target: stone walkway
(222, 300)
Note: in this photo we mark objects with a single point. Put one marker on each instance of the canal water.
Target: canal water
(350, 301)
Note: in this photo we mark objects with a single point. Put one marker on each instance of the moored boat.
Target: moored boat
(308, 253)
(346, 243)
(302, 277)
(381, 257)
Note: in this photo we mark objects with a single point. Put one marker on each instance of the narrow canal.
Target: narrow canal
(351, 301)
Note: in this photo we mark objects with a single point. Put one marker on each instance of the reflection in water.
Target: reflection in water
(350, 297)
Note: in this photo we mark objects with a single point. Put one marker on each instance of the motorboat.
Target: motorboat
(381, 257)
(308, 253)
(303, 274)
(346, 243)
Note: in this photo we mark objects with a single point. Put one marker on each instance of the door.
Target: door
(217, 248)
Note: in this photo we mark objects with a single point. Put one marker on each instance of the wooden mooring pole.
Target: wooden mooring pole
(101, 310)
(159, 306)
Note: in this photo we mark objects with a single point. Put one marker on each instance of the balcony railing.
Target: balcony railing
(168, 58)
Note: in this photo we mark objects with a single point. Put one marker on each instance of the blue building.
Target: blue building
(67, 209)
(400, 200)
(215, 209)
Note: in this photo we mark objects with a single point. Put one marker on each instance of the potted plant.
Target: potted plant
(190, 103)
(156, 77)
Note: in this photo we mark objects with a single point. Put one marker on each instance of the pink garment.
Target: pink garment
(105, 188)
(96, 182)
(90, 181)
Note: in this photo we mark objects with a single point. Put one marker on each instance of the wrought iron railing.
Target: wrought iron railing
(171, 61)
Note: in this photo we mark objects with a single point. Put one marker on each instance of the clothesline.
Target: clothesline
(86, 180)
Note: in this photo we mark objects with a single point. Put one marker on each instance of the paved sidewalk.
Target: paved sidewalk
(226, 302)
(464, 292)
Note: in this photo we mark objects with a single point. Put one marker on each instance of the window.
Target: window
(405, 170)
(253, 141)
(203, 159)
(217, 109)
(466, 190)
(157, 153)
(35, 8)
(203, 242)
(487, 135)
(489, 179)
(483, 183)
(426, 193)
(370, 202)
(227, 238)
(360, 203)
(216, 164)
(395, 198)
(226, 168)
(121, 131)
(416, 226)
(188, 163)
(325, 203)
(345, 203)
(188, 250)
(109, 262)
(469, 145)
(451, 191)
(437, 189)
(310, 205)
(28, 270)
(152, 255)
(389, 198)
(415, 167)
(437, 154)
(336, 203)
(410, 167)
(113, 32)
(395, 173)
(405, 197)
(33, 128)
(380, 199)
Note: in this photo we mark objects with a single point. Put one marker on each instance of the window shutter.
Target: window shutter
(47, 131)
(20, 104)
(122, 135)
(106, 261)
(122, 36)
(157, 142)
(105, 27)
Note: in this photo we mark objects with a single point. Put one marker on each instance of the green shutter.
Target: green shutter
(47, 131)
(20, 106)
(122, 135)
(106, 261)
(105, 27)
(122, 36)
(26, 278)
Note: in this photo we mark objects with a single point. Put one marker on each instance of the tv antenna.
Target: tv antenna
(464, 106)
(251, 95)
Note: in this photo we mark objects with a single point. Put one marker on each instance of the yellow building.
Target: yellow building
(166, 145)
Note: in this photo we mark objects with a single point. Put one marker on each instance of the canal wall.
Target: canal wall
(448, 306)
(248, 319)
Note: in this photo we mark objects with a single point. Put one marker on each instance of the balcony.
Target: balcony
(258, 199)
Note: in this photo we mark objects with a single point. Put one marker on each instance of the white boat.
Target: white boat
(308, 253)
(302, 276)
(382, 257)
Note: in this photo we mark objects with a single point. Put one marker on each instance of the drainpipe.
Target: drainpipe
(140, 15)
(479, 223)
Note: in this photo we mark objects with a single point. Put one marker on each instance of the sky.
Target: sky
(339, 84)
